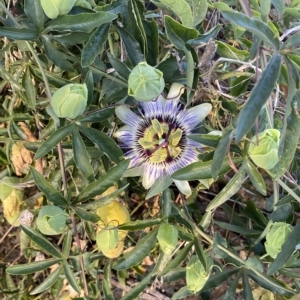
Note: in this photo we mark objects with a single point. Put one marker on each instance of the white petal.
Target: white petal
(127, 116)
(183, 186)
(196, 114)
(176, 91)
(148, 180)
(122, 130)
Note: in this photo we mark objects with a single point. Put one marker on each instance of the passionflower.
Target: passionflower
(157, 138)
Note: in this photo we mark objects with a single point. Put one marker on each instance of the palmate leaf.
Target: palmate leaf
(229, 190)
(101, 185)
(53, 140)
(48, 282)
(258, 97)
(41, 241)
(103, 142)
(48, 190)
(32, 267)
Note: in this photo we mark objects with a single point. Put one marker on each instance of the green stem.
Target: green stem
(284, 186)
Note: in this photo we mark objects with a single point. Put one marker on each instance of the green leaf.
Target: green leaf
(239, 85)
(288, 142)
(202, 170)
(7, 76)
(133, 48)
(228, 51)
(53, 140)
(167, 237)
(182, 10)
(97, 116)
(231, 290)
(175, 274)
(287, 250)
(199, 10)
(265, 7)
(71, 277)
(254, 213)
(140, 251)
(51, 220)
(57, 57)
(32, 267)
(107, 239)
(152, 35)
(247, 289)
(47, 189)
(181, 255)
(183, 293)
(229, 190)
(220, 154)
(29, 90)
(219, 241)
(13, 33)
(279, 5)
(216, 279)
(139, 224)
(67, 243)
(200, 253)
(132, 20)
(103, 200)
(89, 81)
(103, 142)
(270, 284)
(196, 276)
(35, 13)
(119, 66)
(54, 80)
(115, 7)
(190, 74)
(133, 293)
(95, 45)
(257, 27)
(81, 157)
(84, 22)
(99, 186)
(108, 295)
(205, 37)
(87, 216)
(256, 178)
(238, 229)
(41, 241)
(179, 34)
(48, 282)
(159, 186)
(258, 97)
(292, 41)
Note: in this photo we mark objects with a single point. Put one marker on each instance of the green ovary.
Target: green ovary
(160, 142)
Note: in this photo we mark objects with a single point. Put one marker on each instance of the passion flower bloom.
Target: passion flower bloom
(157, 139)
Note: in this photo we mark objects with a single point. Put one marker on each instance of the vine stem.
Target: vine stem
(60, 150)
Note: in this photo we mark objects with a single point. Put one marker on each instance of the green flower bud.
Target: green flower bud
(70, 101)
(145, 83)
(276, 236)
(51, 220)
(54, 8)
(265, 154)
